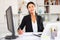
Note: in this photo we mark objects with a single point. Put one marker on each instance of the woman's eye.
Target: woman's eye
(32, 6)
(29, 7)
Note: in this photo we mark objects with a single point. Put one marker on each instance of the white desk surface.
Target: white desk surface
(28, 36)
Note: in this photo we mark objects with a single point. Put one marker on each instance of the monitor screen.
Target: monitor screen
(9, 17)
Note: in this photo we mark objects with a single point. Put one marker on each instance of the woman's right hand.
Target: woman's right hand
(20, 32)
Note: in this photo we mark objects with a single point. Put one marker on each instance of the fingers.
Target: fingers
(20, 32)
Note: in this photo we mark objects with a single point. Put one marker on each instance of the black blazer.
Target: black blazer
(26, 22)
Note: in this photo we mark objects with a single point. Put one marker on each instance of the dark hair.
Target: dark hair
(30, 3)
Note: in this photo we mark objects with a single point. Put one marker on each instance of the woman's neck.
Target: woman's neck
(32, 14)
(33, 17)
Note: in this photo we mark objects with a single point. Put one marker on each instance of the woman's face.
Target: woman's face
(31, 8)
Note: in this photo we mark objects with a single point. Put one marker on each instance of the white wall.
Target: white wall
(3, 6)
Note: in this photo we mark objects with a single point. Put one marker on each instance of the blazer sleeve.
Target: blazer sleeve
(21, 26)
(42, 24)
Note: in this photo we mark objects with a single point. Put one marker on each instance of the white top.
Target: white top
(34, 26)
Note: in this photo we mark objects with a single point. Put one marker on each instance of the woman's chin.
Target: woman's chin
(31, 12)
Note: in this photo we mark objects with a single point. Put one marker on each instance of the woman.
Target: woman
(31, 22)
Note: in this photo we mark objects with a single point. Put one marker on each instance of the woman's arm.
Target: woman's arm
(20, 28)
(42, 24)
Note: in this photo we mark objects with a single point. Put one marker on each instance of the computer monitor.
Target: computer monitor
(10, 24)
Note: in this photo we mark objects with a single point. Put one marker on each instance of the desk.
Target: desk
(27, 36)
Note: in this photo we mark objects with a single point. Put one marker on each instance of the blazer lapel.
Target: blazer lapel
(30, 23)
(37, 22)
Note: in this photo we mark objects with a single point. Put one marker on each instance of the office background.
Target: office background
(51, 16)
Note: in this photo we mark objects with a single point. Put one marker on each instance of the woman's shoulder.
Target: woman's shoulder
(39, 16)
(27, 16)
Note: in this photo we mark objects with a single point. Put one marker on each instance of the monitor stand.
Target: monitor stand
(11, 37)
